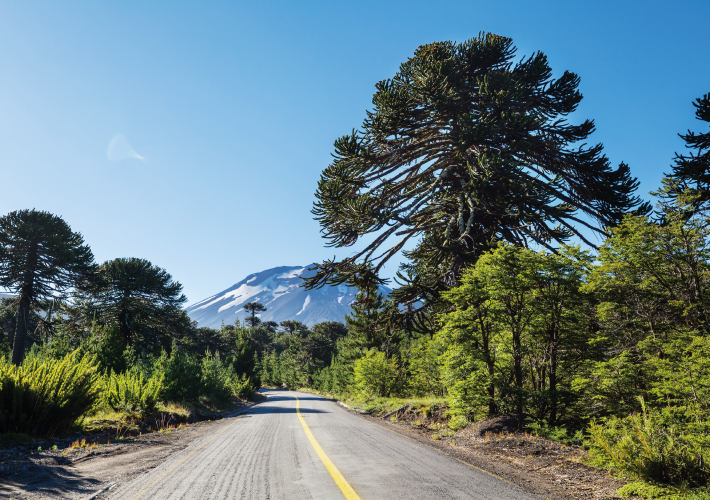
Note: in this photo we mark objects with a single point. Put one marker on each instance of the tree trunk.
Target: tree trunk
(554, 341)
(490, 363)
(124, 327)
(518, 367)
(18, 348)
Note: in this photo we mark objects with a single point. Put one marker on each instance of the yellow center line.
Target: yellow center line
(152, 483)
(344, 486)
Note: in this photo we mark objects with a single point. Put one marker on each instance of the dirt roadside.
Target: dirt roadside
(76, 473)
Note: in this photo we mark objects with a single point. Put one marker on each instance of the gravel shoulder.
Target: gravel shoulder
(75, 473)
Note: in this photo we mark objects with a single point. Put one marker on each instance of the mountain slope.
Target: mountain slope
(279, 289)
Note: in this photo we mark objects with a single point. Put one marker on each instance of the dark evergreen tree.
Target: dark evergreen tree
(40, 258)
(141, 299)
(690, 178)
(253, 308)
(464, 148)
(292, 327)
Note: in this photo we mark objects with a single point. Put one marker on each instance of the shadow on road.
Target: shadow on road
(50, 480)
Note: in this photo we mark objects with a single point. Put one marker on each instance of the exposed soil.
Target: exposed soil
(74, 471)
(502, 447)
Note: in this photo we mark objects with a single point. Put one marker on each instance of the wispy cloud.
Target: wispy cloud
(120, 149)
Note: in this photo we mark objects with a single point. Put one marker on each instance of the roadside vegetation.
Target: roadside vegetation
(468, 161)
(467, 165)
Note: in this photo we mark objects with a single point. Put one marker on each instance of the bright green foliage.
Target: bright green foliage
(180, 374)
(516, 333)
(653, 287)
(41, 396)
(105, 343)
(375, 374)
(643, 489)
(219, 379)
(652, 446)
(423, 360)
(130, 393)
(654, 298)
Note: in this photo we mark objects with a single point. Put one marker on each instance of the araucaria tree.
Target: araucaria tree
(691, 172)
(253, 308)
(40, 258)
(142, 299)
(463, 148)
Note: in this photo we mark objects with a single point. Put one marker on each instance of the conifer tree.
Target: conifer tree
(690, 177)
(253, 308)
(463, 148)
(40, 258)
(142, 299)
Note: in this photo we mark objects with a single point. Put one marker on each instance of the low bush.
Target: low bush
(40, 396)
(645, 490)
(651, 447)
(130, 393)
(559, 434)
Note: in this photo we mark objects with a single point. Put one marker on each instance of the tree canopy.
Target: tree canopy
(40, 258)
(252, 308)
(463, 148)
(139, 297)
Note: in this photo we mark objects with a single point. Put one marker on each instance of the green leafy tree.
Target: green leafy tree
(253, 308)
(40, 258)
(141, 299)
(519, 319)
(463, 148)
(653, 288)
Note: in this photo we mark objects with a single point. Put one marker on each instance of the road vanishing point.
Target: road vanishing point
(301, 446)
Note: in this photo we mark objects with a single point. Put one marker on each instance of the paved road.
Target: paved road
(268, 454)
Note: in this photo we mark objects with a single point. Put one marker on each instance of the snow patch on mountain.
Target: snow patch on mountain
(280, 291)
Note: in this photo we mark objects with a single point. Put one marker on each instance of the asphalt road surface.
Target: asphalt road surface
(301, 446)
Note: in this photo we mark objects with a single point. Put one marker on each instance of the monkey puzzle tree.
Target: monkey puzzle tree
(142, 299)
(463, 148)
(253, 308)
(40, 258)
(691, 173)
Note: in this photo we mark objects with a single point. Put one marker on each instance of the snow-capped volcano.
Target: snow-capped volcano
(280, 290)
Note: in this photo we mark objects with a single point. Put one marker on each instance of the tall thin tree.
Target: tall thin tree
(252, 308)
(40, 258)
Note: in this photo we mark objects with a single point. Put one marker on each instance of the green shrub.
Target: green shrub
(559, 434)
(219, 380)
(645, 490)
(41, 396)
(375, 374)
(242, 387)
(129, 392)
(181, 376)
(649, 447)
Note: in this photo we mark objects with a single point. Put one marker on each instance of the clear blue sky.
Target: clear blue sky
(235, 107)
